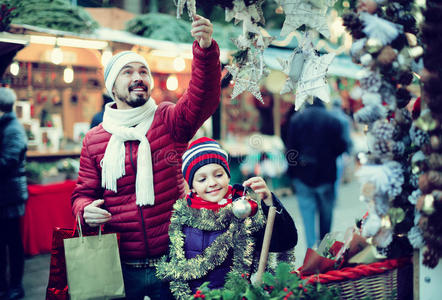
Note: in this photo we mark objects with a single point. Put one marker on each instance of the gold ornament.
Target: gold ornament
(428, 205)
(396, 215)
(426, 121)
(373, 45)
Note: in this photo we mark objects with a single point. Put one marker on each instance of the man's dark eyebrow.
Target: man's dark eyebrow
(126, 67)
(131, 67)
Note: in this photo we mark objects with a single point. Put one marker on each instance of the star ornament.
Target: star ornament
(293, 68)
(311, 13)
(191, 7)
(312, 81)
(241, 11)
(247, 78)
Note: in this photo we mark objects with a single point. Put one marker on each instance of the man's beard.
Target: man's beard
(135, 100)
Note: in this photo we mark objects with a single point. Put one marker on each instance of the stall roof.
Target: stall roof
(341, 65)
(110, 35)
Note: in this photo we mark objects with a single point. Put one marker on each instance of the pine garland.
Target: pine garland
(237, 237)
(53, 14)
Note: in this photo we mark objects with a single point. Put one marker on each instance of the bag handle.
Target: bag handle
(80, 231)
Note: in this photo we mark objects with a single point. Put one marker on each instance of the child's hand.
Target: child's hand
(259, 186)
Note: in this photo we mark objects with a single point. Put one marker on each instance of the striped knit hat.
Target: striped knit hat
(117, 62)
(201, 152)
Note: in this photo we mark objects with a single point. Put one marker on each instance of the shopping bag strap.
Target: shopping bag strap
(77, 226)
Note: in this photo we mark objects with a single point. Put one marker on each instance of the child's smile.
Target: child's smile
(211, 182)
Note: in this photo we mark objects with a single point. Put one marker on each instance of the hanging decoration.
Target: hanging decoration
(306, 72)
(247, 67)
(306, 69)
(247, 76)
(311, 13)
(427, 133)
(191, 7)
(388, 59)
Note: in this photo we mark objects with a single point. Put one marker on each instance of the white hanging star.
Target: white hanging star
(191, 7)
(258, 40)
(241, 12)
(248, 76)
(306, 12)
(292, 67)
(312, 81)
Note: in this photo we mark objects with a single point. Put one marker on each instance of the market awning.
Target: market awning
(10, 44)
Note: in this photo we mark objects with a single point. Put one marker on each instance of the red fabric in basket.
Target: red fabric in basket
(357, 272)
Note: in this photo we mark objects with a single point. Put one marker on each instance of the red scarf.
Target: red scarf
(195, 201)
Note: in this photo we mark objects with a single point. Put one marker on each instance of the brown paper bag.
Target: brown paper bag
(93, 267)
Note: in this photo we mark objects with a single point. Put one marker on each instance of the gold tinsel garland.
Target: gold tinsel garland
(238, 237)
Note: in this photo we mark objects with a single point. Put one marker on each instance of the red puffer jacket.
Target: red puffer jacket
(144, 230)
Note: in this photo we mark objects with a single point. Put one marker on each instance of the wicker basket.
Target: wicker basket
(379, 286)
(390, 279)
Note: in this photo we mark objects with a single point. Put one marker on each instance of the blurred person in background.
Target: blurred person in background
(347, 123)
(315, 140)
(13, 196)
(98, 117)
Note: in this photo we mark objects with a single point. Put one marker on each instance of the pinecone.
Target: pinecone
(396, 178)
(382, 130)
(431, 258)
(354, 25)
(370, 114)
(418, 136)
(403, 96)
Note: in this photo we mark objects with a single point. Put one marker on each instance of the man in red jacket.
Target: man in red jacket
(130, 166)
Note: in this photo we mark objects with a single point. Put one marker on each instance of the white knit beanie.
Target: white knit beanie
(117, 62)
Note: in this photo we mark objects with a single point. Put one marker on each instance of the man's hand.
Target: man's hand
(94, 215)
(202, 30)
(259, 186)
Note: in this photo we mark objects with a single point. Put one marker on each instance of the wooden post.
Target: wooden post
(266, 244)
(416, 275)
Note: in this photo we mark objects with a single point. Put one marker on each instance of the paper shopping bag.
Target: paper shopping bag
(93, 267)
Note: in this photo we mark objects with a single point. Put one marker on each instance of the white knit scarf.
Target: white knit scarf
(120, 123)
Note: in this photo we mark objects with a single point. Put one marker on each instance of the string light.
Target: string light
(172, 83)
(68, 75)
(179, 64)
(56, 55)
(14, 68)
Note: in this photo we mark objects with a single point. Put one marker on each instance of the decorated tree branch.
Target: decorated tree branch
(386, 47)
(428, 199)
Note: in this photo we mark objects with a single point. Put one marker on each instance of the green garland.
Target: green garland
(238, 237)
